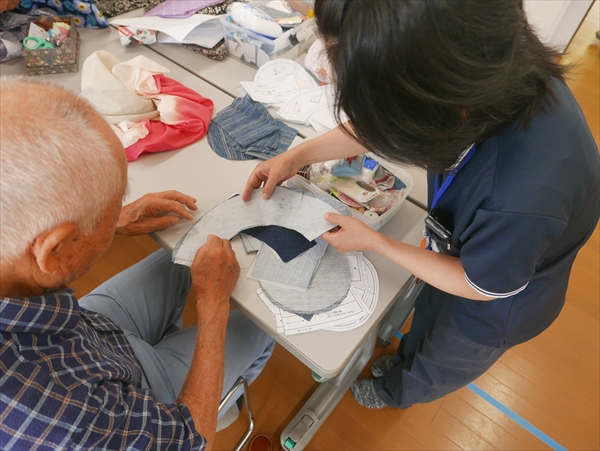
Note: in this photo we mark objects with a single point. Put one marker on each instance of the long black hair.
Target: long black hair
(421, 80)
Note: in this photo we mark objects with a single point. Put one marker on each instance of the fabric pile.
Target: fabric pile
(246, 130)
(84, 13)
(148, 111)
(13, 27)
(297, 271)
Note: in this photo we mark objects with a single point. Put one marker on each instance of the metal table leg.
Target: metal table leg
(315, 411)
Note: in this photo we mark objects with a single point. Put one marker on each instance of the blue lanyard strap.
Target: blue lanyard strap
(439, 191)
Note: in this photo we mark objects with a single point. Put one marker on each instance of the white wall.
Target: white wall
(556, 21)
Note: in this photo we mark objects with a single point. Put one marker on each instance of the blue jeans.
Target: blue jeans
(434, 358)
(147, 300)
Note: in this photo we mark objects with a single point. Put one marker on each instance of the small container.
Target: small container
(58, 60)
(370, 218)
(254, 49)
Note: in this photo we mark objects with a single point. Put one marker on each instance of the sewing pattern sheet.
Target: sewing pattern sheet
(355, 310)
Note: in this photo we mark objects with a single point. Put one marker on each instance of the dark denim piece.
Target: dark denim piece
(246, 130)
(287, 243)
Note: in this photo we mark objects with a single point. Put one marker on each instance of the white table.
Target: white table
(226, 76)
(199, 172)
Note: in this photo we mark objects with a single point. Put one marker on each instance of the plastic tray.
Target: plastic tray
(376, 223)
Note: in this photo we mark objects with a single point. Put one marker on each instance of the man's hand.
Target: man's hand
(7, 5)
(215, 272)
(351, 235)
(152, 212)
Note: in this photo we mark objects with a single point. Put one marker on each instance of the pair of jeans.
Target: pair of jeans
(147, 301)
(434, 358)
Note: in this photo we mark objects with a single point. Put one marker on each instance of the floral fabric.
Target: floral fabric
(85, 13)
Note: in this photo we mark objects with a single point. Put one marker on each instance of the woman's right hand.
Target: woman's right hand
(271, 172)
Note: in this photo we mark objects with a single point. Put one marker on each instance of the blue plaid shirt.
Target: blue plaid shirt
(70, 380)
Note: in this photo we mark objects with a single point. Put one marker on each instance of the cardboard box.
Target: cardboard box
(58, 60)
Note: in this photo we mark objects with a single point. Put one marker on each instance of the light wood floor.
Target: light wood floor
(552, 381)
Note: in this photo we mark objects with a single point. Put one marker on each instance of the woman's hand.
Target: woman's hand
(351, 235)
(271, 172)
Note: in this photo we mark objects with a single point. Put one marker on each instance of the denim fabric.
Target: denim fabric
(287, 243)
(250, 243)
(295, 274)
(146, 300)
(286, 208)
(329, 287)
(434, 358)
(246, 130)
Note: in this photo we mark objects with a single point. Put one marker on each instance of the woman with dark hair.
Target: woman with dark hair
(464, 89)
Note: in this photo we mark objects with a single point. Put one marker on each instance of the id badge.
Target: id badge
(437, 233)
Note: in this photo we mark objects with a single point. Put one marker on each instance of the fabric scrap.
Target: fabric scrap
(83, 13)
(329, 287)
(286, 243)
(286, 208)
(251, 244)
(135, 92)
(178, 9)
(246, 130)
(296, 274)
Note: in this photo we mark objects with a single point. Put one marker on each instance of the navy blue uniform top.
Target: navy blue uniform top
(519, 211)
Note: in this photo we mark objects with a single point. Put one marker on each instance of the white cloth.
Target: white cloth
(119, 90)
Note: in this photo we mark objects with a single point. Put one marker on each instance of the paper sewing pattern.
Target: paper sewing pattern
(351, 313)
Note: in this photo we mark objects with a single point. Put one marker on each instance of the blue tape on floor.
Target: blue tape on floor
(510, 414)
(516, 418)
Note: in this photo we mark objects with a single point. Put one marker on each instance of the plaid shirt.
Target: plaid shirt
(70, 380)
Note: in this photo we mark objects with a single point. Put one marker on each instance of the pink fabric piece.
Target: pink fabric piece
(192, 118)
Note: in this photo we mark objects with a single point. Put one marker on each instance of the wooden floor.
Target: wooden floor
(551, 381)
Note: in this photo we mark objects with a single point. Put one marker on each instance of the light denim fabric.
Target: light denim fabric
(295, 274)
(329, 287)
(251, 244)
(287, 208)
(246, 130)
(146, 301)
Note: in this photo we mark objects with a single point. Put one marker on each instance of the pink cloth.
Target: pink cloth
(189, 121)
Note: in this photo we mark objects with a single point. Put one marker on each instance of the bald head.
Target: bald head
(59, 162)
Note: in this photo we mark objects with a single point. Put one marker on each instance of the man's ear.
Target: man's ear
(48, 246)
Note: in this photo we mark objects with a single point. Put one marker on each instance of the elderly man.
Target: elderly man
(112, 370)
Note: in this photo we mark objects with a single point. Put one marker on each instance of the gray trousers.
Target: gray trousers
(434, 358)
(147, 300)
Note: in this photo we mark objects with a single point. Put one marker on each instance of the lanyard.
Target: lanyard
(438, 191)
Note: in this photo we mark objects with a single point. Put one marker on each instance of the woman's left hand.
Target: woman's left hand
(351, 235)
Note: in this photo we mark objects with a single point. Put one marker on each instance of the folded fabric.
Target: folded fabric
(287, 243)
(328, 288)
(246, 130)
(295, 274)
(178, 8)
(83, 13)
(286, 208)
(150, 112)
(251, 244)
